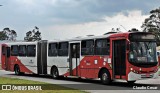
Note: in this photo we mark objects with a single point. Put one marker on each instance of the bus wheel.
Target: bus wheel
(55, 73)
(131, 82)
(17, 70)
(105, 77)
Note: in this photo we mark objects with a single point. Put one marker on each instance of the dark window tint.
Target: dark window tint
(87, 47)
(102, 47)
(52, 49)
(14, 50)
(158, 53)
(75, 49)
(3, 50)
(63, 49)
(31, 50)
(22, 50)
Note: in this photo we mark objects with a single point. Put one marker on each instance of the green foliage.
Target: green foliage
(33, 35)
(152, 24)
(3, 35)
(8, 34)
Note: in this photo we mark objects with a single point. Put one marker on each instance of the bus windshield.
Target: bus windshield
(142, 52)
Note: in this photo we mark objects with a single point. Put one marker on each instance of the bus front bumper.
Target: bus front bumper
(134, 76)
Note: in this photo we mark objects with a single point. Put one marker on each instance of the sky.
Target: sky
(64, 19)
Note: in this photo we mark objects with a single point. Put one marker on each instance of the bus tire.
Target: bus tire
(17, 70)
(105, 77)
(55, 73)
(131, 82)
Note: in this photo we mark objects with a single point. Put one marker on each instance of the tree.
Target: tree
(33, 35)
(8, 34)
(3, 35)
(152, 24)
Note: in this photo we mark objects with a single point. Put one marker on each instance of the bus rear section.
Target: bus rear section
(5, 57)
(20, 57)
(25, 57)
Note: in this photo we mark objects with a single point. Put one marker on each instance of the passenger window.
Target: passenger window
(102, 47)
(22, 50)
(31, 50)
(75, 51)
(3, 50)
(63, 49)
(52, 49)
(87, 47)
(14, 50)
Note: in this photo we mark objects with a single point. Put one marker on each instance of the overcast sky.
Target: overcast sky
(61, 19)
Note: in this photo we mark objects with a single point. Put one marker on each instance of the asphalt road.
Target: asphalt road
(93, 86)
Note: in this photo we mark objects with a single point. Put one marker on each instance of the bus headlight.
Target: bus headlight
(131, 68)
(140, 69)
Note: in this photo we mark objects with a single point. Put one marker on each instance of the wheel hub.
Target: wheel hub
(104, 76)
(55, 74)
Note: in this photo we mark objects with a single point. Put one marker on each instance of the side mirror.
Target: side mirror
(127, 44)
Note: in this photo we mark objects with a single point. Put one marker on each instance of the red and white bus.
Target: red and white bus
(128, 56)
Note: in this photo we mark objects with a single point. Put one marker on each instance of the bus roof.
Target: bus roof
(78, 38)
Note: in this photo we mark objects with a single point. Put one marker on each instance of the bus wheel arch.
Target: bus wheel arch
(104, 75)
(54, 72)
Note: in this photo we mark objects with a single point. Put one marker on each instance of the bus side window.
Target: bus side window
(52, 49)
(14, 50)
(102, 47)
(63, 49)
(108, 46)
(87, 47)
(31, 50)
(3, 50)
(8, 52)
(22, 50)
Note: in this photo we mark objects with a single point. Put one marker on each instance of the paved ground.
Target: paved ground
(91, 85)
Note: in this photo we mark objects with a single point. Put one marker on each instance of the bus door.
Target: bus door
(6, 57)
(74, 58)
(119, 58)
(42, 57)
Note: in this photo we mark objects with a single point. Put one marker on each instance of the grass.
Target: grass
(4, 80)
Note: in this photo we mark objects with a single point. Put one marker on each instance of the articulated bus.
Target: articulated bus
(129, 56)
